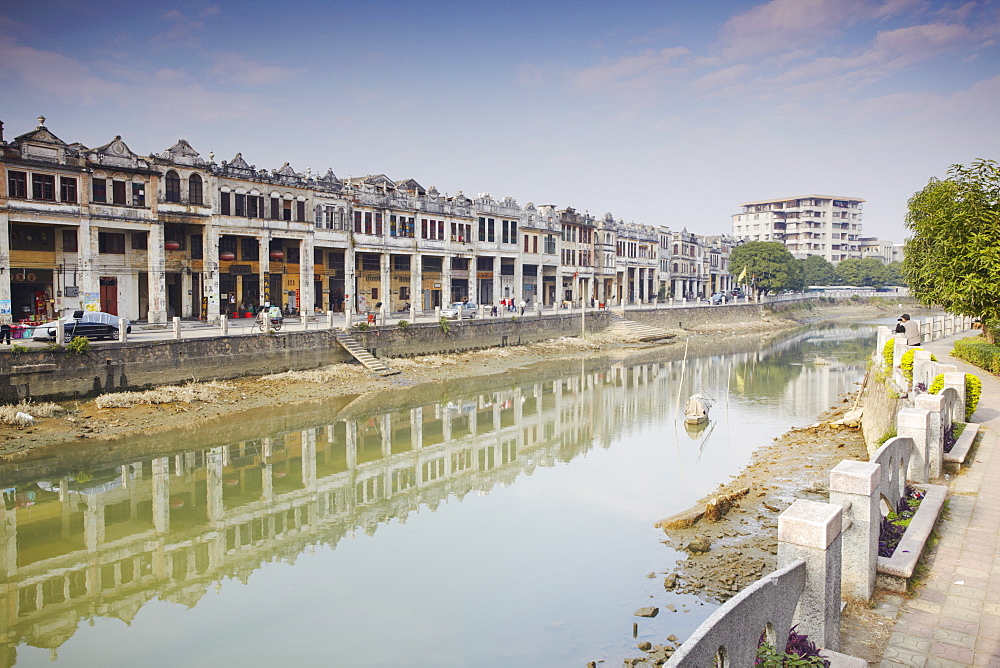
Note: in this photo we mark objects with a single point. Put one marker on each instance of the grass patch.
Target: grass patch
(167, 394)
(8, 414)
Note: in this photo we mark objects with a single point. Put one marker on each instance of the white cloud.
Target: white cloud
(630, 74)
(236, 69)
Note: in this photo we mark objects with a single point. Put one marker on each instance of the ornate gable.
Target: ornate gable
(410, 185)
(380, 181)
(40, 144)
(287, 171)
(182, 153)
(116, 153)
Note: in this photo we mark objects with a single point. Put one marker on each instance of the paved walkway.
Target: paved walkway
(954, 619)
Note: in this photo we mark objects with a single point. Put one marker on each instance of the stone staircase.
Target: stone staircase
(635, 330)
(360, 354)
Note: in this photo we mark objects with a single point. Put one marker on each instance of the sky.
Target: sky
(669, 112)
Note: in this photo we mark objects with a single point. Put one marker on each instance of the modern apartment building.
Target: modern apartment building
(824, 225)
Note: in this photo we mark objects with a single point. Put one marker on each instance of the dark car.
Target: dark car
(91, 324)
(718, 298)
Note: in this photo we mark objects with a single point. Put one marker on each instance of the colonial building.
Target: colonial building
(824, 225)
(178, 234)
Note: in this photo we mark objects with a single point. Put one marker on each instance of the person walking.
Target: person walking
(5, 332)
(522, 304)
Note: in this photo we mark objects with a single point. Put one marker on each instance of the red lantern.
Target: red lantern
(227, 256)
(277, 255)
(172, 245)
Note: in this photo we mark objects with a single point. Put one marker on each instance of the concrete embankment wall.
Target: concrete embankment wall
(691, 317)
(48, 375)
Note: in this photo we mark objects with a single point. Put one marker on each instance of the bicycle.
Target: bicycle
(259, 325)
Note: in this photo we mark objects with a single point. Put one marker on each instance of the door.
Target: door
(109, 294)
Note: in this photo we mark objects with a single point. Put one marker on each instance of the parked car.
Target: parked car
(91, 324)
(459, 310)
(718, 298)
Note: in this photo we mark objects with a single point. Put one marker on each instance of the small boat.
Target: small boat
(696, 409)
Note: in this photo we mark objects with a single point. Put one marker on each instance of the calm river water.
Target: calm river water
(498, 522)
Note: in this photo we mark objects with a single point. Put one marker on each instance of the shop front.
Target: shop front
(31, 294)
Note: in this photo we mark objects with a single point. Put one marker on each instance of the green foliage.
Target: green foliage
(952, 259)
(403, 324)
(362, 326)
(445, 325)
(817, 271)
(973, 390)
(906, 363)
(867, 272)
(769, 657)
(18, 349)
(887, 353)
(886, 436)
(895, 272)
(78, 346)
(769, 266)
(975, 350)
(54, 347)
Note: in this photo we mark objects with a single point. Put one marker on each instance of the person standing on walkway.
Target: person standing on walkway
(5, 332)
(911, 330)
(522, 304)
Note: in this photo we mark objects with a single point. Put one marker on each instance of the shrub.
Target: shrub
(799, 651)
(445, 325)
(18, 349)
(973, 390)
(887, 352)
(78, 346)
(362, 326)
(977, 351)
(906, 364)
(403, 324)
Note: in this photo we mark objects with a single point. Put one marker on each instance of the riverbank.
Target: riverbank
(84, 423)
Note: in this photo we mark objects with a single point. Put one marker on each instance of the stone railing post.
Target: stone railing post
(811, 531)
(898, 349)
(924, 368)
(934, 405)
(177, 327)
(224, 324)
(329, 319)
(884, 334)
(956, 379)
(915, 423)
(122, 330)
(854, 486)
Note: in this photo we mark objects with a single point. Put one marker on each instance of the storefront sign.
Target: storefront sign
(91, 301)
(5, 308)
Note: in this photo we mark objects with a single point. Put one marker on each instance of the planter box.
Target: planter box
(894, 571)
(960, 450)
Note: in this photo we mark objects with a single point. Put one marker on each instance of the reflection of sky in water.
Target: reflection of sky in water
(547, 570)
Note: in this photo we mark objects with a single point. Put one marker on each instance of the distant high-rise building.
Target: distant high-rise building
(824, 225)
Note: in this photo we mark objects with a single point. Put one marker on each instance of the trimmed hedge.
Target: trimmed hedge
(978, 352)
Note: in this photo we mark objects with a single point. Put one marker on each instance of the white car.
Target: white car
(459, 310)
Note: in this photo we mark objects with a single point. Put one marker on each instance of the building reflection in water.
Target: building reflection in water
(101, 543)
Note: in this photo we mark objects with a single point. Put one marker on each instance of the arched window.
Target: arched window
(173, 187)
(195, 192)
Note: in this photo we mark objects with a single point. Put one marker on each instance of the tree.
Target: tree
(817, 271)
(895, 271)
(953, 258)
(867, 272)
(768, 265)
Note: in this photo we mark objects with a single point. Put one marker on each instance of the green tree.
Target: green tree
(769, 267)
(953, 258)
(895, 271)
(867, 272)
(817, 271)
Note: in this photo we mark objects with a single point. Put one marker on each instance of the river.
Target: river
(502, 522)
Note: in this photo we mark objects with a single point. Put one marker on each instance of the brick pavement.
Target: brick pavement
(954, 618)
